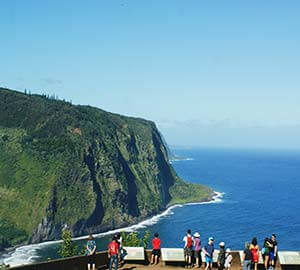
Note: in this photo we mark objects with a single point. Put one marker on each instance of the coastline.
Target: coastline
(26, 254)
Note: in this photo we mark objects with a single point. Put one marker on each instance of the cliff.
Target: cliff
(81, 166)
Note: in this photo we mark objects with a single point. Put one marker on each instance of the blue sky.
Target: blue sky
(209, 73)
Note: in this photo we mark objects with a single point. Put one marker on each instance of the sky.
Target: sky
(208, 73)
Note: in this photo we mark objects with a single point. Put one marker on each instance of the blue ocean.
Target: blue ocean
(260, 196)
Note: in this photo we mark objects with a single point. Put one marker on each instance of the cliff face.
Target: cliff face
(77, 165)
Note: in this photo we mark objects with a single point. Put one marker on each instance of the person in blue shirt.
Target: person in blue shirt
(91, 252)
(208, 251)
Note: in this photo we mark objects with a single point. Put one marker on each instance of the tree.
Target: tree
(68, 248)
(133, 240)
(146, 239)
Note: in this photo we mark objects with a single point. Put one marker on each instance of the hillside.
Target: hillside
(81, 166)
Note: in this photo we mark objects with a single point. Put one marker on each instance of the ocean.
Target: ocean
(259, 194)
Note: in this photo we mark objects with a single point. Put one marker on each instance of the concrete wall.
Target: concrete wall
(80, 263)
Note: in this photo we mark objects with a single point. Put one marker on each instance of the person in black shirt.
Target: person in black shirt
(265, 251)
(273, 252)
(247, 257)
(221, 256)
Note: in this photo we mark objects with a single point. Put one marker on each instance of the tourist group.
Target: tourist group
(192, 252)
(250, 255)
(269, 253)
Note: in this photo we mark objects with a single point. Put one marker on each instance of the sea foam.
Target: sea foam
(179, 159)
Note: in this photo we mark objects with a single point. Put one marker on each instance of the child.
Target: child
(228, 259)
(155, 249)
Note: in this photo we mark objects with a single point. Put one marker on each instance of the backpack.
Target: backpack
(189, 242)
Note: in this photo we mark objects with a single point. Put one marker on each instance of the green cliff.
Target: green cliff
(81, 166)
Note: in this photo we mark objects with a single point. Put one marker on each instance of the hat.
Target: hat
(196, 234)
(211, 239)
(222, 244)
(228, 250)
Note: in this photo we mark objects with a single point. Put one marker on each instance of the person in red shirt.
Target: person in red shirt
(113, 253)
(155, 249)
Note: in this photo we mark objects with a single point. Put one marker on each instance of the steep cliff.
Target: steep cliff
(81, 166)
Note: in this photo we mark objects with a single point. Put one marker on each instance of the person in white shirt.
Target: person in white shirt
(228, 259)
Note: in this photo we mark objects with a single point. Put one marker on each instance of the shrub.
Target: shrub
(133, 240)
(68, 247)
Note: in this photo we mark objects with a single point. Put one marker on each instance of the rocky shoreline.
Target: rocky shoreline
(11, 251)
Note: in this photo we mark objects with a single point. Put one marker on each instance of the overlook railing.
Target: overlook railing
(290, 261)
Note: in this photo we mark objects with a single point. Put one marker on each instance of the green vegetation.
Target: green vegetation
(183, 192)
(133, 240)
(10, 234)
(81, 166)
(68, 247)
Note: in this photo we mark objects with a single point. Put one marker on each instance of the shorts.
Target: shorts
(208, 259)
(188, 251)
(265, 251)
(197, 253)
(272, 255)
(92, 259)
(156, 252)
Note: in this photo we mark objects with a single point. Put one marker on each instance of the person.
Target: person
(266, 252)
(155, 249)
(228, 259)
(197, 250)
(273, 252)
(247, 257)
(208, 251)
(254, 248)
(122, 251)
(221, 256)
(188, 244)
(91, 252)
(113, 253)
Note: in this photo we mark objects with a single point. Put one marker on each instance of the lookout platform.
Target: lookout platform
(287, 260)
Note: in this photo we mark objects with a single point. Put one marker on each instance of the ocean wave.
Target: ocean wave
(25, 254)
(28, 254)
(179, 159)
(217, 198)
